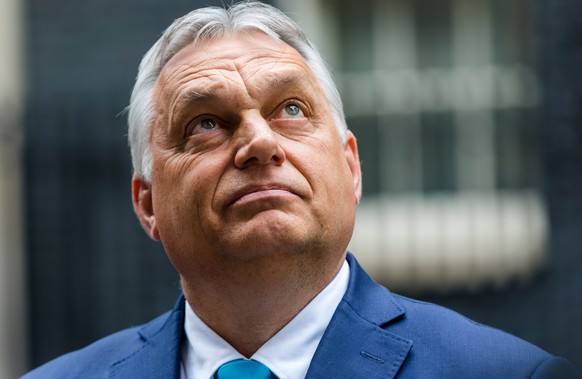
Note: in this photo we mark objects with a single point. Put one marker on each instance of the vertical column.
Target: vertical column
(13, 336)
(474, 125)
(395, 56)
(396, 70)
(473, 49)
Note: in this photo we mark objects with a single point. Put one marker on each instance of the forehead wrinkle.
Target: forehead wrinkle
(250, 67)
(184, 69)
(212, 86)
(207, 88)
(269, 75)
(203, 87)
(182, 74)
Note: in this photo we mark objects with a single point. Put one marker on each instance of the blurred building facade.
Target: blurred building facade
(13, 294)
(466, 114)
(442, 95)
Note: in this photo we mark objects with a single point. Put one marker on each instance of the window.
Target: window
(442, 97)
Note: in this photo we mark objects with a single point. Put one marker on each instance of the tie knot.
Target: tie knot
(244, 369)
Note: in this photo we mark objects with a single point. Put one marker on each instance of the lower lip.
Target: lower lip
(264, 196)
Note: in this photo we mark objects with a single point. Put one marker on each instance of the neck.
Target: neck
(247, 304)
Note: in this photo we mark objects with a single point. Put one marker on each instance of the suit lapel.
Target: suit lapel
(355, 343)
(159, 356)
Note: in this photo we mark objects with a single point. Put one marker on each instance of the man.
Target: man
(247, 174)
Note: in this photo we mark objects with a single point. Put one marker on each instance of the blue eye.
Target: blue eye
(292, 110)
(208, 124)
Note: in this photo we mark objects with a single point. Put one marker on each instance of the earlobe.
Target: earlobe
(141, 195)
(353, 159)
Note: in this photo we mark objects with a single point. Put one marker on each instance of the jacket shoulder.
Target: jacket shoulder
(95, 360)
(441, 342)
(458, 344)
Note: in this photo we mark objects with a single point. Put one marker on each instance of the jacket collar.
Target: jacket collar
(355, 343)
(159, 355)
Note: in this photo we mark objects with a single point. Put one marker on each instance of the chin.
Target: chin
(266, 243)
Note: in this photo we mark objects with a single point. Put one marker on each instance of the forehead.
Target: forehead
(251, 55)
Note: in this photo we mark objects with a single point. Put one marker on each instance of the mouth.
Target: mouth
(259, 193)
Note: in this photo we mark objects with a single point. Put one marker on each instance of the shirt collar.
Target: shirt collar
(288, 353)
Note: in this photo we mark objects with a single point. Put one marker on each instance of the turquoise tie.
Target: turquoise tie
(244, 369)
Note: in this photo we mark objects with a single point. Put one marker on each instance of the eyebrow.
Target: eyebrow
(284, 80)
(291, 79)
(193, 95)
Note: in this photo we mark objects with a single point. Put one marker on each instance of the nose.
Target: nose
(258, 144)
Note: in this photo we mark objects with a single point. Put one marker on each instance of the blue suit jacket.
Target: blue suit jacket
(373, 334)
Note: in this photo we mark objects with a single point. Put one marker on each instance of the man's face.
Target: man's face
(247, 161)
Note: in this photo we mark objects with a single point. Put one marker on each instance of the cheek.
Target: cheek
(338, 180)
(174, 182)
(326, 170)
(193, 183)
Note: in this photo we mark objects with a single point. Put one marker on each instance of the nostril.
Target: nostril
(261, 150)
(249, 162)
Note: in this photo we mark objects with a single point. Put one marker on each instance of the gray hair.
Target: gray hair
(208, 23)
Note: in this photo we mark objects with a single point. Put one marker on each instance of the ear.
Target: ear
(351, 152)
(141, 195)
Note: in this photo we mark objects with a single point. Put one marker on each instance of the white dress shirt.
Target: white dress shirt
(288, 353)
